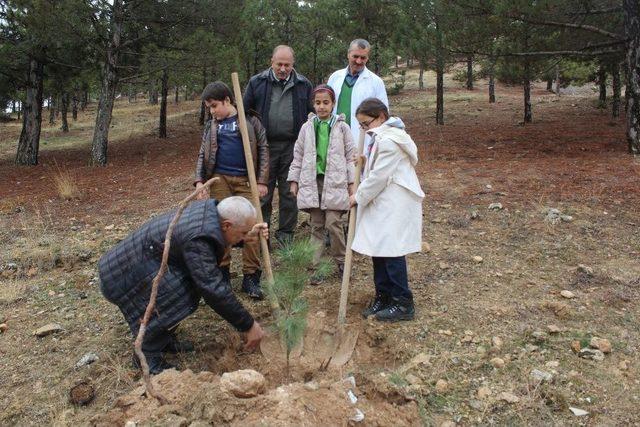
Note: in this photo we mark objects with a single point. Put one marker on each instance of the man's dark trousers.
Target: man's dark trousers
(280, 158)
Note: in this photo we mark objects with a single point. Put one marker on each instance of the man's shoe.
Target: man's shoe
(398, 309)
(176, 346)
(226, 273)
(251, 285)
(380, 303)
(156, 364)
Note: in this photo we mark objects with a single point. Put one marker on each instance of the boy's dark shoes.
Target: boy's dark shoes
(251, 285)
(176, 346)
(380, 303)
(226, 273)
(398, 309)
(156, 364)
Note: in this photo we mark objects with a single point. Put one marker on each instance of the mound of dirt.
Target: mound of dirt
(198, 399)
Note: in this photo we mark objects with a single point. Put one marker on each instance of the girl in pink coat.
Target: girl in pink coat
(322, 172)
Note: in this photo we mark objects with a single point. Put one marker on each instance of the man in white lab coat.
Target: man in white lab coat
(355, 83)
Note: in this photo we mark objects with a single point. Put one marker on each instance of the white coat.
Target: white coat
(368, 85)
(389, 214)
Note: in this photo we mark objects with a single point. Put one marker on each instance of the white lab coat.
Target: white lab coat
(389, 214)
(368, 85)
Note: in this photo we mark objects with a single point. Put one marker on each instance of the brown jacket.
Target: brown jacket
(259, 150)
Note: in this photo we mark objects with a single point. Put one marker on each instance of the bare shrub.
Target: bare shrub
(66, 184)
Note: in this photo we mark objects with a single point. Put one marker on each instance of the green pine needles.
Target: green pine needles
(295, 263)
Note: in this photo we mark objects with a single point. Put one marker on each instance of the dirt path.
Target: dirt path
(488, 292)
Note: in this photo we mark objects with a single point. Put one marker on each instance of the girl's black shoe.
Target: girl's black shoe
(380, 303)
(398, 309)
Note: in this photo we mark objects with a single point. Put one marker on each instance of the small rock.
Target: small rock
(484, 392)
(413, 380)
(476, 404)
(495, 207)
(474, 215)
(508, 397)
(497, 342)
(442, 386)
(585, 269)
(445, 332)
(540, 376)
(481, 350)
(601, 344)
(530, 348)
(48, 329)
(552, 364)
(497, 362)
(87, 359)
(576, 346)
(589, 353)
(553, 329)
(578, 412)
(130, 423)
(477, 259)
(82, 393)
(110, 227)
(443, 265)
(426, 247)
(539, 336)
(566, 218)
(311, 386)
(623, 365)
(553, 216)
(243, 383)
(567, 294)
(3, 328)
(358, 416)
(448, 424)
(352, 397)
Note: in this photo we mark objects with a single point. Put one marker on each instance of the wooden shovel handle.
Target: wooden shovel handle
(348, 258)
(251, 173)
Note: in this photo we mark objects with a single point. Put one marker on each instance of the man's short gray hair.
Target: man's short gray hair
(237, 210)
(359, 44)
(285, 47)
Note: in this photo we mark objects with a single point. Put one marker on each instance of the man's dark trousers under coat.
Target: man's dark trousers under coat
(127, 270)
(258, 97)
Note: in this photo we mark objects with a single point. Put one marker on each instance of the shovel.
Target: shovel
(343, 342)
(251, 173)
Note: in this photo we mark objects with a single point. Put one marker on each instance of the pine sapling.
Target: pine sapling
(294, 262)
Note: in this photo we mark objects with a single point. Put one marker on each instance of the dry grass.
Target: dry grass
(66, 184)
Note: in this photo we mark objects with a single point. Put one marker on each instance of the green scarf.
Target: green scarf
(322, 130)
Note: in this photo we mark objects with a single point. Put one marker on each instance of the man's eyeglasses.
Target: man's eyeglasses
(365, 125)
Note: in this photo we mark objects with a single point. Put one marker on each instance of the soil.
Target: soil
(572, 158)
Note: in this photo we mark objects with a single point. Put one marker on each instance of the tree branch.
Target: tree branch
(589, 28)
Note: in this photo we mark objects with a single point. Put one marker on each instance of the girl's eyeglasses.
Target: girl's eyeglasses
(365, 125)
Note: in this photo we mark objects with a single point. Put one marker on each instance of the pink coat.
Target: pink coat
(340, 170)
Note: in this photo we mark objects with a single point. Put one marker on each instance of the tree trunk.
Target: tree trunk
(440, 94)
(74, 106)
(615, 74)
(470, 72)
(492, 80)
(13, 106)
(602, 83)
(162, 128)
(20, 105)
(202, 106)
(557, 80)
(130, 93)
(421, 76)
(550, 85)
(64, 108)
(632, 31)
(85, 98)
(52, 111)
(176, 99)
(29, 141)
(528, 115)
(108, 89)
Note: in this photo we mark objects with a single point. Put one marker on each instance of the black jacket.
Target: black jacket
(127, 270)
(257, 97)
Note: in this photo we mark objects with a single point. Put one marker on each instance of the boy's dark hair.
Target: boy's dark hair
(217, 91)
(372, 107)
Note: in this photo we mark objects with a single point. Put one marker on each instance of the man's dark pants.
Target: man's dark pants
(280, 158)
(390, 277)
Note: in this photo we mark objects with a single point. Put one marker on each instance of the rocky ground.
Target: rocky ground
(525, 291)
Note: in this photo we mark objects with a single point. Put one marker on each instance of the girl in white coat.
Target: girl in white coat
(389, 215)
